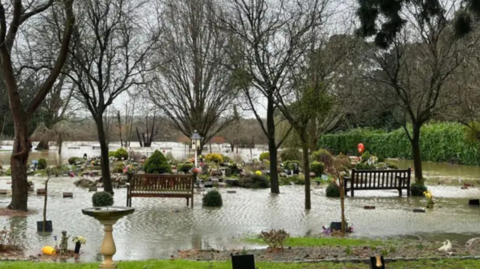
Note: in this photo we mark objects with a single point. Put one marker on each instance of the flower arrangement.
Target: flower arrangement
(428, 194)
(258, 173)
(196, 170)
(128, 169)
(79, 239)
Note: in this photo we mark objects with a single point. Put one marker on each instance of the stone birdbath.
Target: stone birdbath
(108, 216)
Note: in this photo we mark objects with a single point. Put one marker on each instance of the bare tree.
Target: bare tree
(418, 66)
(17, 16)
(150, 132)
(265, 42)
(194, 88)
(109, 56)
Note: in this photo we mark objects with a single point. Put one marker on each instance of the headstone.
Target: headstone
(222, 184)
(419, 210)
(474, 202)
(377, 262)
(464, 188)
(312, 174)
(208, 184)
(68, 195)
(92, 188)
(467, 185)
(40, 191)
(229, 191)
(368, 207)
(214, 180)
(337, 226)
(3, 192)
(243, 262)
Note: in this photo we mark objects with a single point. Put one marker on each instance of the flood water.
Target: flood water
(159, 227)
(77, 149)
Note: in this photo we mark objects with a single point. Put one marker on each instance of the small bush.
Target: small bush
(290, 155)
(227, 159)
(73, 160)
(297, 179)
(42, 164)
(275, 239)
(212, 199)
(214, 157)
(381, 159)
(235, 169)
(391, 165)
(102, 198)
(366, 156)
(264, 156)
(121, 153)
(290, 165)
(157, 164)
(111, 154)
(364, 166)
(417, 189)
(333, 190)
(118, 168)
(254, 182)
(323, 156)
(317, 168)
(184, 167)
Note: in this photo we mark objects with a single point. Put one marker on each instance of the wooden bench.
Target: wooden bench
(154, 185)
(378, 180)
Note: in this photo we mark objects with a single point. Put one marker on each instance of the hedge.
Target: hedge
(440, 142)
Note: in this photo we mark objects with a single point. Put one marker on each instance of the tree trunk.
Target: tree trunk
(272, 148)
(105, 162)
(18, 164)
(210, 145)
(306, 172)
(59, 145)
(43, 144)
(232, 146)
(140, 141)
(119, 119)
(417, 159)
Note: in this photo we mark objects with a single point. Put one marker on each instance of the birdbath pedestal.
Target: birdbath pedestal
(108, 216)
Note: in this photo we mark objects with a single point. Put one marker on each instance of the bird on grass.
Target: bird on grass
(447, 247)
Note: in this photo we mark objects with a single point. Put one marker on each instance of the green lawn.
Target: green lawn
(327, 241)
(167, 264)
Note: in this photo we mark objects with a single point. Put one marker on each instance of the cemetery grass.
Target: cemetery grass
(177, 264)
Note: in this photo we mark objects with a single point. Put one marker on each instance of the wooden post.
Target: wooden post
(45, 202)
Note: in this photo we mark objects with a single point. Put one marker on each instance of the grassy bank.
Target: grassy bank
(167, 264)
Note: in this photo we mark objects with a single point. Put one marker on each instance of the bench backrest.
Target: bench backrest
(371, 179)
(156, 182)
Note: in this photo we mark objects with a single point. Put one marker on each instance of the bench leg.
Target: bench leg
(408, 192)
(188, 200)
(191, 205)
(400, 192)
(352, 193)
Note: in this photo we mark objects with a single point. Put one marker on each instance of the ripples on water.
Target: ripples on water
(159, 227)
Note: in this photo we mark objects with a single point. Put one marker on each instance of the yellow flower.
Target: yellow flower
(258, 173)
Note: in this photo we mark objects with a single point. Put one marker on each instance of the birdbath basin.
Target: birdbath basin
(108, 216)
